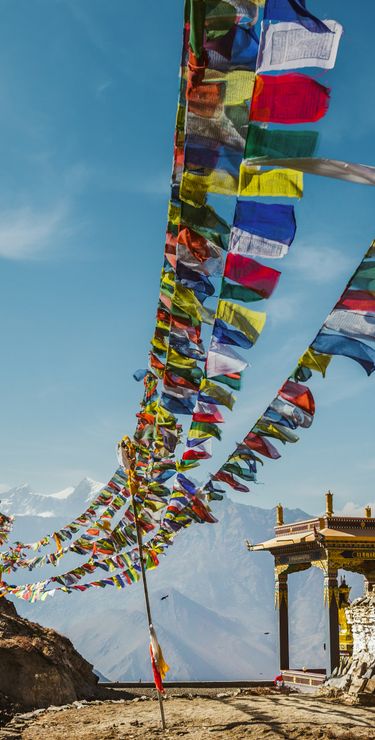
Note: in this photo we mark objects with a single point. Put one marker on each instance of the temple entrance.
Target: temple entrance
(331, 544)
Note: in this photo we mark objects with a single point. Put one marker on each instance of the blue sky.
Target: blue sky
(88, 96)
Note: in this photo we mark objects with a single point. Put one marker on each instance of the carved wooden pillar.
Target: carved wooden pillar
(281, 602)
(331, 598)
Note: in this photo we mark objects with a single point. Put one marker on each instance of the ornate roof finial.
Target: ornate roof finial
(368, 512)
(279, 515)
(329, 504)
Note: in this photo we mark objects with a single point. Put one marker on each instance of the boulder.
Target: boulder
(39, 667)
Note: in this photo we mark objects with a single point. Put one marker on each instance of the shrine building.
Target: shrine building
(331, 543)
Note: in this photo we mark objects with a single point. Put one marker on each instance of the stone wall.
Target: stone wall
(355, 678)
(361, 617)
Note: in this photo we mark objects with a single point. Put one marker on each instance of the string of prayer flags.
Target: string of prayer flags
(342, 334)
(289, 98)
(6, 526)
(291, 46)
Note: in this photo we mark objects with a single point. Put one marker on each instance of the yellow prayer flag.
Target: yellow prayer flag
(174, 213)
(249, 322)
(238, 84)
(174, 358)
(186, 300)
(315, 361)
(270, 183)
(194, 188)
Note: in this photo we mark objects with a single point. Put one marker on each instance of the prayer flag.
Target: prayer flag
(262, 445)
(207, 412)
(291, 46)
(315, 360)
(351, 323)
(357, 300)
(231, 481)
(233, 380)
(238, 293)
(293, 10)
(274, 222)
(359, 173)
(299, 395)
(225, 335)
(159, 667)
(210, 392)
(251, 274)
(270, 183)
(336, 344)
(249, 322)
(200, 430)
(222, 359)
(289, 98)
(263, 142)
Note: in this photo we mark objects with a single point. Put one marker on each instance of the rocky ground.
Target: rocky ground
(237, 715)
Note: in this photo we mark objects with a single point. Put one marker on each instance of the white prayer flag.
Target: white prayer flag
(241, 242)
(360, 173)
(291, 46)
(352, 324)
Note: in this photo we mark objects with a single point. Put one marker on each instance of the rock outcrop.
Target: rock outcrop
(355, 678)
(38, 666)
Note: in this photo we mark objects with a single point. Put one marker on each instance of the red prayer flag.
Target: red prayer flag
(252, 274)
(262, 445)
(199, 508)
(195, 454)
(157, 677)
(357, 300)
(289, 98)
(230, 479)
(298, 394)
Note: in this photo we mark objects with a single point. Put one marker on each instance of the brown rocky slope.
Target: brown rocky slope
(38, 666)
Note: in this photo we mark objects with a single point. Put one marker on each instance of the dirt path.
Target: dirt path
(239, 715)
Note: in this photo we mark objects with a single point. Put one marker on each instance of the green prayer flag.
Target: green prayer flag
(238, 292)
(263, 142)
(206, 222)
(234, 383)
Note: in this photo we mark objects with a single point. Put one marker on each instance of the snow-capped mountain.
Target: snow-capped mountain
(23, 501)
(218, 620)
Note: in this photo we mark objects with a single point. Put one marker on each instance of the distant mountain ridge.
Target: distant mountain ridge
(220, 606)
(23, 501)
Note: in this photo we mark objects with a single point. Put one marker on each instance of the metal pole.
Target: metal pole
(133, 485)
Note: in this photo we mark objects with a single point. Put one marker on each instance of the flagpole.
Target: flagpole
(128, 455)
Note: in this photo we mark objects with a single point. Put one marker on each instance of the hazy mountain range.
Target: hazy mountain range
(219, 609)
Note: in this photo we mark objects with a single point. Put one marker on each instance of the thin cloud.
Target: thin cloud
(283, 310)
(26, 232)
(320, 264)
(352, 509)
